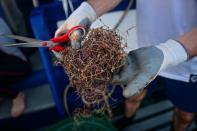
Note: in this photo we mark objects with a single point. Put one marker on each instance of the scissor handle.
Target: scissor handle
(57, 48)
(66, 36)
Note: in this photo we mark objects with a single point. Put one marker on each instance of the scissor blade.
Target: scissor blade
(30, 44)
(21, 38)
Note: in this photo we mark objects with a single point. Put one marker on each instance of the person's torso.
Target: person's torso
(160, 20)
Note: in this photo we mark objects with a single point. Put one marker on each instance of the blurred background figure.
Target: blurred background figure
(14, 66)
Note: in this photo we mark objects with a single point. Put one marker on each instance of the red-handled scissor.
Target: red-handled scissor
(52, 43)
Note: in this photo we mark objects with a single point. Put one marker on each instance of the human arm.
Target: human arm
(84, 15)
(103, 6)
(144, 64)
(189, 40)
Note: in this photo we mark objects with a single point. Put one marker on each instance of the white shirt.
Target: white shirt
(160, 20)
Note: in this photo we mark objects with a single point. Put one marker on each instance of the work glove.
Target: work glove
(84, 15)
(144, 64)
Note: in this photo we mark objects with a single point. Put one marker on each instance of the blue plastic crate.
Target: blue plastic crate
(43, 22)
(44, 18)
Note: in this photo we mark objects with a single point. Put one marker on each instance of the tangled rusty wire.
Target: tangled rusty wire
(90, 69)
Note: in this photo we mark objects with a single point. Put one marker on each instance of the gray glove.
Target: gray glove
(144, 64)
(141, 68)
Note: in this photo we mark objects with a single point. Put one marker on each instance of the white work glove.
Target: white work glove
(144, 64)
(84, 15)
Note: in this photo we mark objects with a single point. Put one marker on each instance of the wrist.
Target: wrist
(188, 47)
(86, 10)
(103, 6)
(174, 53)
(189, 41)
(84, 15)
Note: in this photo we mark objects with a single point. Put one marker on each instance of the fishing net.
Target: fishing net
(91, 68)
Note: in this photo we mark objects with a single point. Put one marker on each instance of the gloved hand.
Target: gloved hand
(84, 15)
(144, 64)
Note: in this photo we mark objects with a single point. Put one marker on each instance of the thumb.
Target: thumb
(140, 81)
(58, 55)
(126, 73)
(149, 61)
(58, 32)
(61, 30)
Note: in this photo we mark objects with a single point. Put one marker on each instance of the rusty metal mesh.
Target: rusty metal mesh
(90, 69)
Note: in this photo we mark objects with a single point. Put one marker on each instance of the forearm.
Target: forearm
(103, 6)
(189, 40)
(177, 52)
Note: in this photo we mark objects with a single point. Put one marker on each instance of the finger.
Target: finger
(85, 23)
(116, 79)
(128, 72)
(149, 61)
(146, 74)
(57, 48)
(58, 55)
(58, 32)
(138, 84)
(61, 30)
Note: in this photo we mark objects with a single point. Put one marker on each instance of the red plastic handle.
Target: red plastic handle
(57, 48)
(65, 37)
